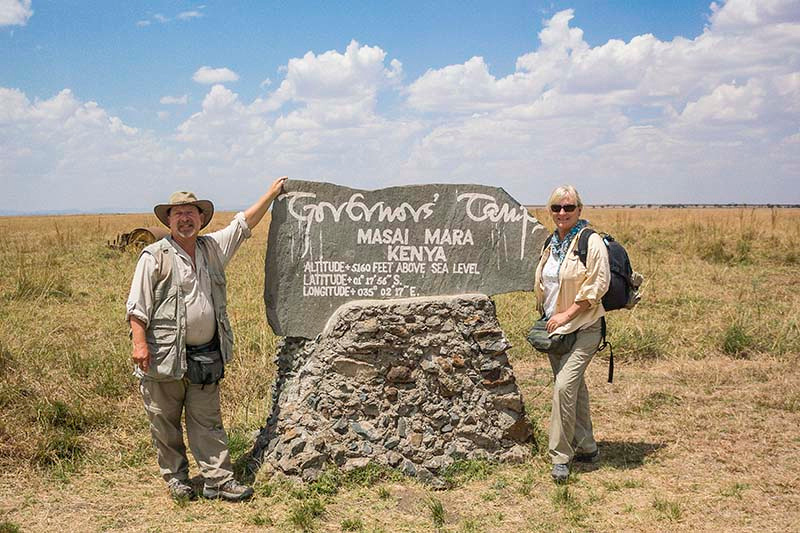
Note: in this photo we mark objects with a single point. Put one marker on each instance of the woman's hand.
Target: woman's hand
(559, 319)
(556, 321)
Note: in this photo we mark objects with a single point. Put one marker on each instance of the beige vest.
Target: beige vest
(166, 332)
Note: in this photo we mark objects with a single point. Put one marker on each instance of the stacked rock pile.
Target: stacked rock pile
(413, 384)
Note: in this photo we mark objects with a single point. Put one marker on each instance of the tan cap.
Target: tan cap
(184, 198)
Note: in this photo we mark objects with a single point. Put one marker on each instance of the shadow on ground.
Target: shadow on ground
(623, 455)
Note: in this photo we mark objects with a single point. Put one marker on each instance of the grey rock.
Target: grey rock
(354, 369)
(365, 431)
(355, 462)
(408, 468)
(391, 442)
(428, 366)
(401, 427)
(393, 458)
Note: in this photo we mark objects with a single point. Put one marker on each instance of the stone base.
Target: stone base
(412, 384)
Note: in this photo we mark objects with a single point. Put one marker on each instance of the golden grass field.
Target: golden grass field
(699, 432)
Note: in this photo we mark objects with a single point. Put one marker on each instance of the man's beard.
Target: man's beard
(186, 231)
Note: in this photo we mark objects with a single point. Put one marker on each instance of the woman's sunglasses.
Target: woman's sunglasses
(567, 208)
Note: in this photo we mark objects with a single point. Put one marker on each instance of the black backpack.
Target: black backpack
(623, 288)
(621, 291)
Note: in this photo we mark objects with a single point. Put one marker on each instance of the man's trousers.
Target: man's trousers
(165, 402)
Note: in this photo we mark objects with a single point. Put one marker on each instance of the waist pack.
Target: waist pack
(204, 364)
(542, 341)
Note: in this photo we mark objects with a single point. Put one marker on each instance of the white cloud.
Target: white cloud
(162, 115)
(727, 104)
(695, 119)
(188, 15)
(15, 12)
(183, 15)
(744, 14)
(717, 108)
(335, 88)
(174, 100)
(59, 152)
(209, 75)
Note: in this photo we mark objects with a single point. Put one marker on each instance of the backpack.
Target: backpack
(623, 288)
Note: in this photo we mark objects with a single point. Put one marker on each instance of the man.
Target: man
(182, 339)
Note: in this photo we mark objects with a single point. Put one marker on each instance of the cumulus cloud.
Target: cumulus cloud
(15, 12)
(209, 75)
(62, 151)
(174, 100)
(743, 14)
(689, 114)
(335, 88)
(693, 119)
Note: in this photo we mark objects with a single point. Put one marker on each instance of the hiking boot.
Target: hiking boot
(560, 473)
(180, 489)
(231, 490)
(592, 457)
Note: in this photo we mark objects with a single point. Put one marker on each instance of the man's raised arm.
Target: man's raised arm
(256, 212)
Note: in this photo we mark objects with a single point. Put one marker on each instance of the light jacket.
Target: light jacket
(166, 330)
(577, 282)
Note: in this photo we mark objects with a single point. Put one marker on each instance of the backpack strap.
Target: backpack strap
(582, 252)
(547, 242)
(602, 346)
(583, 244)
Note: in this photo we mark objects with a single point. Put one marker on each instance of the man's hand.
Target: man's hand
(256, 212)
(277, 187)
(141, 355)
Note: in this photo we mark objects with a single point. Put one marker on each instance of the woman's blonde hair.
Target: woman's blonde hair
(562, 192)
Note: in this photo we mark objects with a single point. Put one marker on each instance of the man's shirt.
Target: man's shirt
(194, 279)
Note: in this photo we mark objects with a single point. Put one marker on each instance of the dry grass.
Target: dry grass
(697, 433)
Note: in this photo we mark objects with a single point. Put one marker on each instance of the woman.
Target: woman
(569, 296)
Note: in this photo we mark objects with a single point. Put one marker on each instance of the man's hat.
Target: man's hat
(184, 198)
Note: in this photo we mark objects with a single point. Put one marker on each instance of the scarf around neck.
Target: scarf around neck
(559, 247)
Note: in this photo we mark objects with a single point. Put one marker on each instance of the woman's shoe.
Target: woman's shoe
(560, 473)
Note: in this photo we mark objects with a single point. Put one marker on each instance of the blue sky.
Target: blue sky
(632, 101)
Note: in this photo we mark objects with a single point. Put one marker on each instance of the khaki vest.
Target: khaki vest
(167, 328)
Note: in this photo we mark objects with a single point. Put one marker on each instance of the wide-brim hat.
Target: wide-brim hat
(184, 198)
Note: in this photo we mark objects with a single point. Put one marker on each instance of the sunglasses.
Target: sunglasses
(567, 208)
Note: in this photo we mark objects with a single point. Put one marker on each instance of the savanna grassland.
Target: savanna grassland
(700, 430)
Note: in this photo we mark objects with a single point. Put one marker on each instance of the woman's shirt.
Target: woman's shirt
(550, 285)
(577, 282)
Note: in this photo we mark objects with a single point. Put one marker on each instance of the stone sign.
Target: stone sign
(329, 245)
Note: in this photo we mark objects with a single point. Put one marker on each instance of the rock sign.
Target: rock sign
(329, 245)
